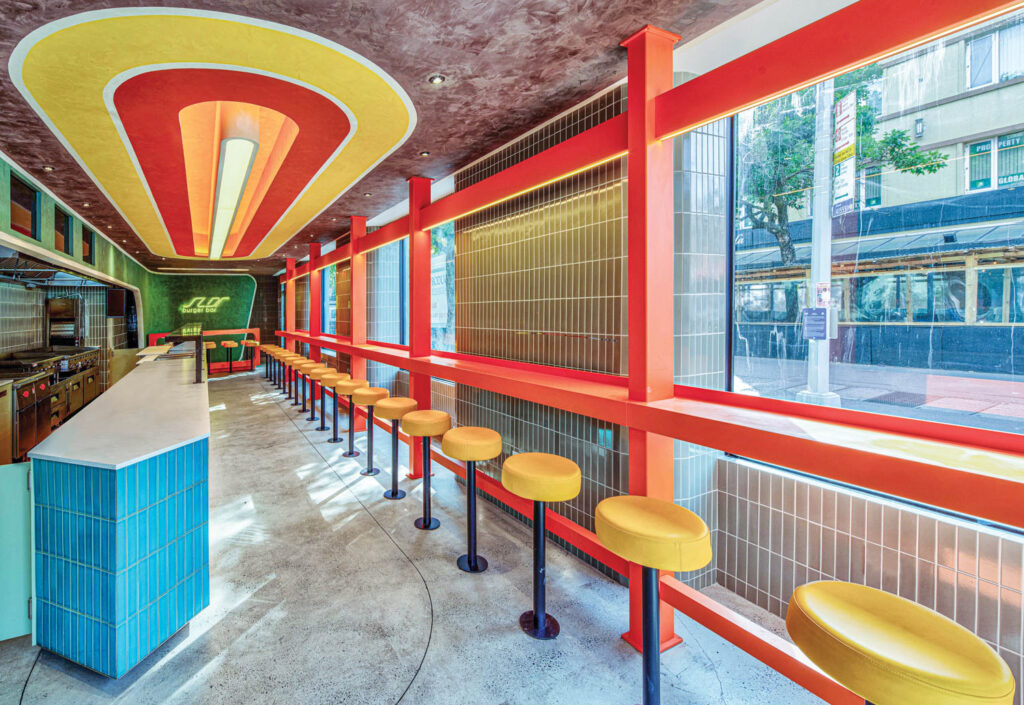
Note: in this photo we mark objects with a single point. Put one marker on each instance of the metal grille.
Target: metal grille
(385, 315)
(343, 284)
(302, 302)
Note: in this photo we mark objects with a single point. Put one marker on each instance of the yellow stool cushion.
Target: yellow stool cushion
(892, 651)
(250, 343)
(319, 373)
(347, 386)
(209, 345)
(309, 366)
(367, 396)
(426, 422)
(228, 344)
(394, 407)
(653, 533)
(332, 378)
(471, 443)
(541, 477)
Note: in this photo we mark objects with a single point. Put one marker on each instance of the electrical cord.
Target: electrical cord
(426, 587)
(29, 676)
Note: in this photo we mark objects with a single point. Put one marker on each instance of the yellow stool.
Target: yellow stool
(317, 375)
(229, 352)
(541, 478)
(249, 348)
(425, 424)
(891, 651)
(208, 346)
(266, 350)
(393, 409)
(657, 535)
(304, 369)
(346, 387)
(330, 380)
(293, 362)
(471, 444)
(368, 396)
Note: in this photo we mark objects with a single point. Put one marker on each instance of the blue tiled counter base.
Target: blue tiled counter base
(122, 556)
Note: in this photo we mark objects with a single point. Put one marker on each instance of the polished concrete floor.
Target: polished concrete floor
(324, 592)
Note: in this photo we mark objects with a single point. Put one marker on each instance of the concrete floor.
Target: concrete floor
(324, 592)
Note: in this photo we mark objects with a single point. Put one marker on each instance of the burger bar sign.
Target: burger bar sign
(203, 304)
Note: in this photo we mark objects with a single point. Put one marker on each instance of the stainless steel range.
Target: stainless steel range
(48, 384)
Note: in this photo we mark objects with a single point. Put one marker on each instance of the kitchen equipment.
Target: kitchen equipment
(6, 422)
(66, 321)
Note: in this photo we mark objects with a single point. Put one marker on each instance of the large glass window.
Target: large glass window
(61, 231)
(24, 208)
(911, 307)
(329, 300)
(88, 245)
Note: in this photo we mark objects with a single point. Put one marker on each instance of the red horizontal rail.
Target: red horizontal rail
(860, 33)
(768, 648)
(921, 469)
(394, 230)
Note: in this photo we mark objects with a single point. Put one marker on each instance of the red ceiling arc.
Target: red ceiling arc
(148, 106)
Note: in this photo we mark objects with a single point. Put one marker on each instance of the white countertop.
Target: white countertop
(153, 409)
(154, 350)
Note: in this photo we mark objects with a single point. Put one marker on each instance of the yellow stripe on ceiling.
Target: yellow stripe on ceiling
(64, 67)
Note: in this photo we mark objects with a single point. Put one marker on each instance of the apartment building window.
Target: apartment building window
(88, 243)
(1003, 166)
(61, 231)
(998, 56)
(873, 186)
(24, 208)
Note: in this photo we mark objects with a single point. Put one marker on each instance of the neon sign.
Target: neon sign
(203, 304)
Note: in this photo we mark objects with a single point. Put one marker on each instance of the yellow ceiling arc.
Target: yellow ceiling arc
(67, 71)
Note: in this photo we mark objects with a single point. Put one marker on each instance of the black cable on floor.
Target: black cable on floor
(430, 599)
(29, 676)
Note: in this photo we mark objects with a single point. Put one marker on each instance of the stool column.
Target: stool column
(538, 623)
(334, 437)
(351, 452)
(369, 470)
(394, 492)
(302, 381)
(651, 637)
(231, 359)
(323, 415)
(471, 562)
(312, 399)
(426, 522)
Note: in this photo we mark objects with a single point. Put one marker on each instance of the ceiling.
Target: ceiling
(121, 106)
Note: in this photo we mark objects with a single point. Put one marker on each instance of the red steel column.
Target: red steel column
(289, 301)
(419, 304)
(357, 315)
(315, 301)
(651, 283)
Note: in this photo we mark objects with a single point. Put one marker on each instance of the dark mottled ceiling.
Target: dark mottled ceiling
(510, 65)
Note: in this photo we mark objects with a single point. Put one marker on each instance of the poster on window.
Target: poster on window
(843, 187)
(438, 292)
(844, 154)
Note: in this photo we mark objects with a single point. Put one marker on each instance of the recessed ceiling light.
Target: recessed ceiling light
(367, 194)
(110, 227)
(85, 205)
(47, 168)
(334, 220)
(424, 153)
(436, 79)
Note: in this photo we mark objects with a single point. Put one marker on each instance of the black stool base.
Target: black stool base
(528, 623)
(464, 566)
(335, 440)
(350, 454)
(369, 472)
(420, 524)
(388, 494)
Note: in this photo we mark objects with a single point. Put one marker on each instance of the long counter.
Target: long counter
(121, 519)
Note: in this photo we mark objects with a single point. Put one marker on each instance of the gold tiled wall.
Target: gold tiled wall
(21, 317)
(343, 312)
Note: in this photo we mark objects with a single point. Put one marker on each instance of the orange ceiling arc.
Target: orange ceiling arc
(137, 96)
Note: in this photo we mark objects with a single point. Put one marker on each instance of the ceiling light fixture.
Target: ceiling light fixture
(47, 168)
(367, 194)
(436, 79)
(424, 153)
(236, 158)
(85, 205)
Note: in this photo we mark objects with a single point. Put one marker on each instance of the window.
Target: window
(24, 208)
(927, 287)
(979, 165)
(1006, 162)
(88, 243)
(873, 186)
(329, 300)
(998, 56)
(979, 61)
(61, 231)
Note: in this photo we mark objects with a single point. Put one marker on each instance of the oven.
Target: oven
(76, 392)
(24, 416)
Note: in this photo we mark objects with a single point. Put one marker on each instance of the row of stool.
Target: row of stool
(229, 346)
(886, 649)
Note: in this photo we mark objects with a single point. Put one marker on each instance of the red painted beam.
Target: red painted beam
(771, 650)
(394, 230)
(859, 34)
